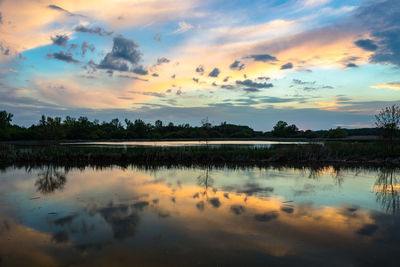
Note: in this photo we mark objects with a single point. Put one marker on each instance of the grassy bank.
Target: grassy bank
(372, 153)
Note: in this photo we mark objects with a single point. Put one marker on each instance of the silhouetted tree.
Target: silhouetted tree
(388, 119)
(282, 129)
(335, 133)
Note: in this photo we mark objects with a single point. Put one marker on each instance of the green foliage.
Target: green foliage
(335, 133)
(282, 129)
(49, 128)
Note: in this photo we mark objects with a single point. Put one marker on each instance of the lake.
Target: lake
(52, 216)
(256, 143)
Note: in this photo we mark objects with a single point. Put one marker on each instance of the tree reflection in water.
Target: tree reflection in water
(205, 181)
(50, 180)
(387, 189)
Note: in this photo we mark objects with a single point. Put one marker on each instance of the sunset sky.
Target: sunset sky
(316, 63)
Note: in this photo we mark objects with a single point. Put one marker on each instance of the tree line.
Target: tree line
(55, 128)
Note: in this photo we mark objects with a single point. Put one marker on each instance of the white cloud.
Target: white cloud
(183, 27)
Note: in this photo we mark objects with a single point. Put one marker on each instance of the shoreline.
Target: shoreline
(342, 153)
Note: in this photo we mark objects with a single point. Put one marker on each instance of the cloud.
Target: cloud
(390, 85)
(251, 90)
(85, 46)
(226, 78)
(262, 57)
(300, 82)
(155, 75)
(195, 79)
(214, 73)
(215, 202)
(381, 19)
(238, 209)
(227, 86)
(183, 27)
(351, 65)
(62, 56)
(200, 69)
(60, 40)
(368, 229)
(236, 65)
(4, 49)
(148, 93)
(132, 78)
(1, 18)
(57, 8)
(366, 44)
(250, 84)
(96, 30)
(287, 66)
(162, 60)
(314, 3)
(123, 57)
(266, 217)
(140, 70)
(157, 37)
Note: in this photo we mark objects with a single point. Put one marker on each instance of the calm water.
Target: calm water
(207, 217)
(189, 143)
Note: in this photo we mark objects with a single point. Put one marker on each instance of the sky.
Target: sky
(318, 64)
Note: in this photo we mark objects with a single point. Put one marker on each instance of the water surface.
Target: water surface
(188, 143)
(53, 216)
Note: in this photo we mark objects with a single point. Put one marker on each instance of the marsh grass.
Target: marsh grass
(375, 152)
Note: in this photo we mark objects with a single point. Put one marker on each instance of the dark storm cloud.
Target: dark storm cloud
(62, 56)
(351, 65)
(366, 44)
(287, 66)
(96, 30)
(236, 65)
(123, 57)
(60, 40)
(214, 73)
(250, 84)
(200, 69)
(381, 19)
(262, 57)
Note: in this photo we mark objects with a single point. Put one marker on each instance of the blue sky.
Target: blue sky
(316, 63)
